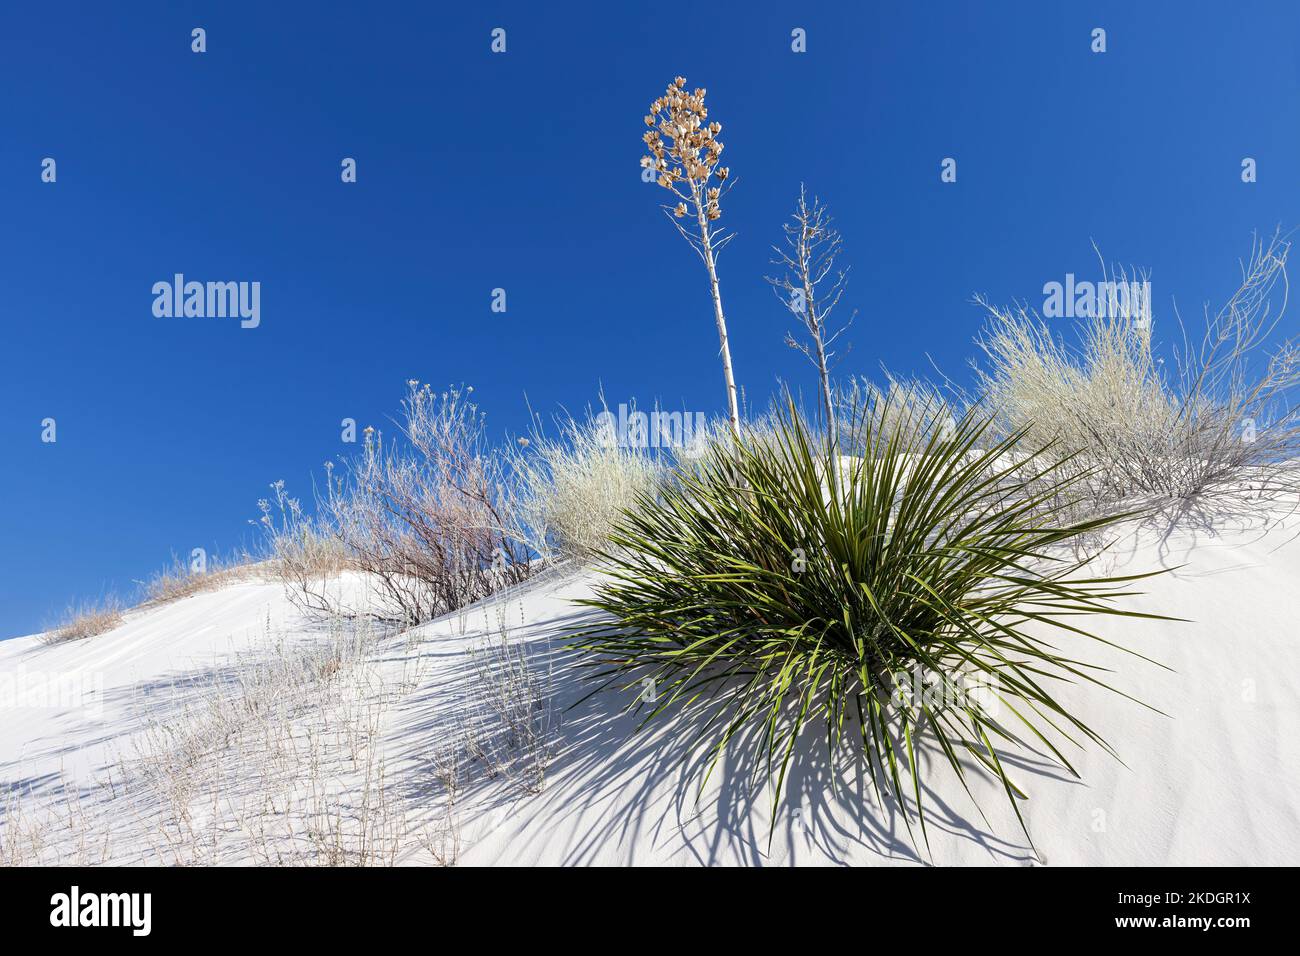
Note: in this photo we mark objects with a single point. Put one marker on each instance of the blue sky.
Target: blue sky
(520, 171)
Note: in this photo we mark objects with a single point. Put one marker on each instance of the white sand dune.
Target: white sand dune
(1214, 782)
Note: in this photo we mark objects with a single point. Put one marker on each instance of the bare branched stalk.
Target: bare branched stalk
(811, 289)
(685, 153)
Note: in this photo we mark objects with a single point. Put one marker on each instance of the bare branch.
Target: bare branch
(812, 246)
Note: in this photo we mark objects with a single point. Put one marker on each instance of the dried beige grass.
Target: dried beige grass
(177, 580)
(570, 488)
(1225, 418)
(86, 620)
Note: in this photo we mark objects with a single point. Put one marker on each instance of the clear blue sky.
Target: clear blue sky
(521, 171)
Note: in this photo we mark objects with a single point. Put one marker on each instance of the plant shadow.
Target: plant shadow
(621, 789)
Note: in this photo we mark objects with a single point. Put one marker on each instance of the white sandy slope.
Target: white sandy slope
(1216, 781)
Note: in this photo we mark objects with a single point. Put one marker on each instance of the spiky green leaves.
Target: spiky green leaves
(920, 601)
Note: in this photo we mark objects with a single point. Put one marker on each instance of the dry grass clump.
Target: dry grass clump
(1106, 402)
(572, 487)
(503, 722)
(896, 411)
(180, 580)
(1128, 429)
(86, 620)
(172, 583)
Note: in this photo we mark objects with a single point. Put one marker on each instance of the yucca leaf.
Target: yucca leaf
(936, 556)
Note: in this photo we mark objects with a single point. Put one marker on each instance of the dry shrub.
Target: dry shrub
(1130, 430)
(427, 516)
(306, 556)
(1237, 410)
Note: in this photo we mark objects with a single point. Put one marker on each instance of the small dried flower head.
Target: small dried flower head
(523, 443)
(680, 210)
(680, 81)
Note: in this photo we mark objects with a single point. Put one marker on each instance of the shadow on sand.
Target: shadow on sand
(623, 791)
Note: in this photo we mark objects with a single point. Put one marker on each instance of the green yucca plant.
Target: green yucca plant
(746, 586)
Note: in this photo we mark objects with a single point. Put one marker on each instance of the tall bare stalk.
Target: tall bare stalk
(685, 154)
(811, 289)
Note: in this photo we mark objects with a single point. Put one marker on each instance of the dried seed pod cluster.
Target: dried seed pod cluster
(684, 150)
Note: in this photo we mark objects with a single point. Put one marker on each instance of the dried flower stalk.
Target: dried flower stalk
(685, 153)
